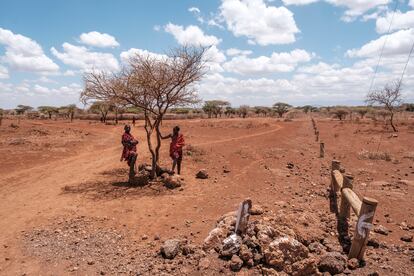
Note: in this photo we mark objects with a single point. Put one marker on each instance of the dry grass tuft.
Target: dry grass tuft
(378, 155)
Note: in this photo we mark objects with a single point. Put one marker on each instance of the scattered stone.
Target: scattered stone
(373, 242)
(203, 263)
(173, 181)
(407, 238)
(304, 267)
(188, 249)
(353, 264)
(245, 253)
(284, 250)
(290, 165)
(214, 239)
(381, 230)
(144, 237)
(332, 262)
(236, 263)
(202, 174)
(316, 247)
(170, 248)
(256, 210)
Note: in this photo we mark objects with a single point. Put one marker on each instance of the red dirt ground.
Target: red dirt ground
(52, 171)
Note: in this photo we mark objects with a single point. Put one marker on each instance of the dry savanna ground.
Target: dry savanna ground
(66, 206)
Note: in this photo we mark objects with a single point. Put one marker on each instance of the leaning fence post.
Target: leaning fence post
(366, 216)
(345, 208)
(322, 150)
(317, 135)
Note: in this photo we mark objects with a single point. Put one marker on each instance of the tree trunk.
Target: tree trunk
(392, 122)
(149, 128)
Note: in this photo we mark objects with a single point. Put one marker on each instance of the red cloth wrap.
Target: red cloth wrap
(176, 147)
(130, 149)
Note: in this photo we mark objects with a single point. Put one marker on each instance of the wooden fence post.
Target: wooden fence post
(322, 150)
(317, 135)
(345, 208)
(335, 165)
(366, 216)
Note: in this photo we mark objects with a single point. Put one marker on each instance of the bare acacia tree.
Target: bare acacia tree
(152, 84)
(390, 97)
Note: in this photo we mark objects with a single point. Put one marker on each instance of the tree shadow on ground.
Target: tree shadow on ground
(113, 188)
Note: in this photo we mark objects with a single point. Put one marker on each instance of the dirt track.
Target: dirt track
(78, 173)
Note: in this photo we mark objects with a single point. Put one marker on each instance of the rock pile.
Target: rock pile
(262, 244)
(272, 247)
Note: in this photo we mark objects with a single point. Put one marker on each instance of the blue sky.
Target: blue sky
(297, 51)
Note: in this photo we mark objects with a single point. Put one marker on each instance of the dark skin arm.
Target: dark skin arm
(165, 137)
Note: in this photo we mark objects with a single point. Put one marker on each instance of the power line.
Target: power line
(383, 46)
(406, 64)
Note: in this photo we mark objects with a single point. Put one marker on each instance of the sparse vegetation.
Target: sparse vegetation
(374, 155)
(22, 109)
(215, 107)
(281, 108)
(340, 113)
(389, 97)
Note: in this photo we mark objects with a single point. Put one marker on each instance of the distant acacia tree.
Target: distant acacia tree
(243, 110)
(229, 111)
(262, 110)
(21, 109)
(49, 110)
(68, 111)
(281, 108)
(409, 107)
(362, 111)
(389, 97)
(309, 108)
(153, 84)
(102, 108)
(339, 113)
(215, 107)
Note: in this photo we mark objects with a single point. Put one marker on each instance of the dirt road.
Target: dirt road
(85, 178)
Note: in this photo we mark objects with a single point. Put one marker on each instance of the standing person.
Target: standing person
(176, 148)
(133, 120)
(129, 153)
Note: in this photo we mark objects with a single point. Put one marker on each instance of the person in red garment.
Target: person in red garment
(176, 148)
(129, 153)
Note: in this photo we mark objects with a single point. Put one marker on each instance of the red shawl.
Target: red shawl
(129, 147)
(176, 146)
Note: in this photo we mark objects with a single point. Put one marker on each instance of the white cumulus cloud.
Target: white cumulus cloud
(191, 35)
(4, 72)
(98, 39)
(238, 52)
(354, 8)
(261, 24)
(127, 55)
(194, 10)
(24, 54)
(399, 21)
(299, 2)
(398, 43)
(80, 57)
(277, 62)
